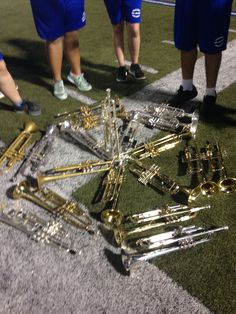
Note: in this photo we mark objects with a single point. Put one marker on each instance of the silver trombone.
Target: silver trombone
(168, 242)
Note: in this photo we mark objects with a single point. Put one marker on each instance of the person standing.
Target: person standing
(126, 13)
(8, 89)
(203, 24)
(57, 22)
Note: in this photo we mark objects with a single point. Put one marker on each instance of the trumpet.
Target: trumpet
(226, 184)
(48, 232)
(128, 139)
(165, 117)
(168, 242)
(151, 175)
(16, 151)
(206, 187)
(55, 204)
(70, 171)
(154, 148)
(37, 154)
(124, 232)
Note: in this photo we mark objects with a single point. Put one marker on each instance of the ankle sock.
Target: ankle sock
(18, 103)
(187, 84)
(210, 91)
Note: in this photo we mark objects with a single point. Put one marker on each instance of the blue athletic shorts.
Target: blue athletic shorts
(54, 18)
(127, 10)
(203, 23)
(1, 56)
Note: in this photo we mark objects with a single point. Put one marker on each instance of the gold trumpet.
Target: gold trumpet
(154, 148)
(16, 151)
(70, 171)
(125, 232)
(54, 203)
(226, 184)
(151, 175)
(206, 187)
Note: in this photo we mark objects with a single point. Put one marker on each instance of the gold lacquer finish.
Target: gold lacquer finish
(54, 203)
(16, 151)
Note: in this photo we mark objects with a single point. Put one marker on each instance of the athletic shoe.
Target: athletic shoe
(59, 90)
(208, 104)
(122, 74)
(28, 107)
(182, 96)
(136, 72)
(80, 82)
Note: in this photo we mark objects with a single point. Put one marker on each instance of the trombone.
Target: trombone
(16, 151)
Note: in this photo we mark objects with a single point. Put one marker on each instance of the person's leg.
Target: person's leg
(55, 54)
(72, 52)
(118, 42)
(133, 31)
(212, 64)
(7, 84)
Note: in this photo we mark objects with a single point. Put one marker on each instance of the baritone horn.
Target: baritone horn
(168, 242)
(16, 151)
(48, 232)
(69, 211)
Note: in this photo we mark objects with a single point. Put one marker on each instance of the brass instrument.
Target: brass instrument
(38, 229)
(175, 240)
(226, 184)
(55, 204)
(37, 154)
(89, 117)
(128, 139)
(126, 233)
(151, 175)
(206, 187)
(16, 151)
(165, 117)
(154, 148)
(70, 171)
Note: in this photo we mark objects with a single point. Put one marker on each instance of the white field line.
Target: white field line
(171, 42)
(80, 97)
(147, 289)
(144, 67)
(232, 30)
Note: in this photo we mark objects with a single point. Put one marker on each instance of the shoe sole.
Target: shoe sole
(61, 97)
(81, 89)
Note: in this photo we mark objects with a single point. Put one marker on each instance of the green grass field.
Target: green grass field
(207, 271)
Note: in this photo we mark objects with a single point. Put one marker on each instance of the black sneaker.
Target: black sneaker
(136, 72)
(182, 96)
(208, 104)
(122, 74)
(28, 107)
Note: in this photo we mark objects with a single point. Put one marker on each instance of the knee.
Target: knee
(118, 29)
(134, 31)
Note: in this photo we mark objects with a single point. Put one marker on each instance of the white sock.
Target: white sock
(75, 76)
(187, 84)
(210, 91)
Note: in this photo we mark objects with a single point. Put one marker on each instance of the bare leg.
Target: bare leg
(188, 60)
(212, 64)
(55, 55)
(72, 52)
(118, 41)
(134, 41)
(7, 84)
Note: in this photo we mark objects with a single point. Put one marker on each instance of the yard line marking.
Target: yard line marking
(232, 30)
(171, 42)
(144, 67)
(80, 97)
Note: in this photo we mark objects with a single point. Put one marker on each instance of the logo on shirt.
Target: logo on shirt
(136, 13)
(83, 17)
(219, 41)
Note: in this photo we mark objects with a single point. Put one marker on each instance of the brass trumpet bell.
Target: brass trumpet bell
(111, 217)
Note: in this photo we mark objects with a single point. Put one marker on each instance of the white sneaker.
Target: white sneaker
(59, 90)
(80, 82)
